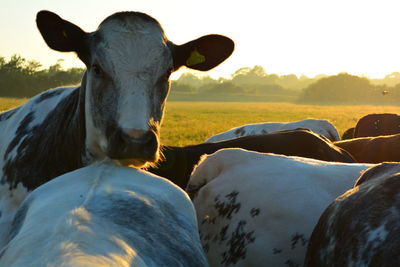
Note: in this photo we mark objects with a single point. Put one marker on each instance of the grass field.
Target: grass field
(192, 122)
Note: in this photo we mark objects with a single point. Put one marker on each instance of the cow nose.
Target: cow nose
(133, 144)
(145, 138)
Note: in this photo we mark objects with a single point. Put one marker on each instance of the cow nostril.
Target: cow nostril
(124, 145)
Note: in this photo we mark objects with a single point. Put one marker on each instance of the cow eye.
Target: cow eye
(97, 70)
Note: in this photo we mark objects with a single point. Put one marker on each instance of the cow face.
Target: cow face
(129, 61)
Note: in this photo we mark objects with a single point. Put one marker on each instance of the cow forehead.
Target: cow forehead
(133, 45)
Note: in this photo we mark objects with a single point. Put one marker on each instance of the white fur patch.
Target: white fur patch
(273, 203)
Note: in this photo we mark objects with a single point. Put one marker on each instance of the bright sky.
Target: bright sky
(310, 37)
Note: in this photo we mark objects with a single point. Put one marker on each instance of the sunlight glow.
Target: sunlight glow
(285, 37)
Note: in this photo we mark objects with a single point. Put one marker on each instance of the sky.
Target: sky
(302, 37)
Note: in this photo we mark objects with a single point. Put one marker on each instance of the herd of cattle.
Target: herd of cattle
(271, 194)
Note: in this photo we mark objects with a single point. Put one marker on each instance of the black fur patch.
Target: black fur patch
(22, 132)
(222, 234)
(238, 243)
(225, 209)
(240, 131)
(49, 149)
(8, 114)
(123, 16)
(47, 95)
(290, 263)
(255, 212)
(298, 238)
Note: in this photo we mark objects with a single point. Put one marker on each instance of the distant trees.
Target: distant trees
(349, 89)
(389, 80)
(245, 81)
(22, 78)
(25, 78)
(337, 89)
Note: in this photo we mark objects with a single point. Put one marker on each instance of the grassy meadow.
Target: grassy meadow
(192, 122)
(188, 123)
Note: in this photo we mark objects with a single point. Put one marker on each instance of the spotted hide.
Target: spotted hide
(321, 127)
(362, 226)
(257, 209)
(105, 215)
(114, 113)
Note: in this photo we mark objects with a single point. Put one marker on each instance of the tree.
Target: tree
(25, 78)
(339, 89)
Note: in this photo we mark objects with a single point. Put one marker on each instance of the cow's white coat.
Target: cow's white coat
(259, 209)
(89, 217)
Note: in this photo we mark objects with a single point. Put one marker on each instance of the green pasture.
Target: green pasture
(192, 122)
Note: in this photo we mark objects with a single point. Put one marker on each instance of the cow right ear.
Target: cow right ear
(59, 34)
(203, 53)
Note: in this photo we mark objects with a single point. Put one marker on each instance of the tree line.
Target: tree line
(25, 78)
(20, 77)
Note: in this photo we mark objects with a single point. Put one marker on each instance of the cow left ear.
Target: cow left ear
(204, 53)
(62, 35)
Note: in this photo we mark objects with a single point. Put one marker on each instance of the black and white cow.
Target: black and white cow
(115, 112)
(362, 226)
(256, 209)
(179, 162)
(105, 215)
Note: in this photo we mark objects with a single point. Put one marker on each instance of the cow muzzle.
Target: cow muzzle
(133, 147)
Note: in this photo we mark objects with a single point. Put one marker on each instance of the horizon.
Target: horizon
(176, 75)
(308, 38)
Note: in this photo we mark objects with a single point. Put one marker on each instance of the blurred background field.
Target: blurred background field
(193, 122)
(8, 103)
(188, 123)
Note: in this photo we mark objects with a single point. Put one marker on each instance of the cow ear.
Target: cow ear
(60, 34)
(204, 53)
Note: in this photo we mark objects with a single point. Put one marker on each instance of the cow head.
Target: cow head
(129, 61)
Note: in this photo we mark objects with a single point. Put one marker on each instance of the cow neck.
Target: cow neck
(178, 162)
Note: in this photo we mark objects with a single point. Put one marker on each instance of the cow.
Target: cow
(256, 209)
(179, 162)
(116, 111)
(377, 124)
(362, 226)
(372, 149)
(105, 215)
(322, 127)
